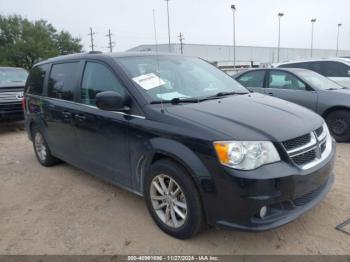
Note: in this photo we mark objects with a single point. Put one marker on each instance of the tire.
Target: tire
(339, 125)
(41, 149)
(168, 170)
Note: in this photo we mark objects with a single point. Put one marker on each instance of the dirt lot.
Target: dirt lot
(62, 210)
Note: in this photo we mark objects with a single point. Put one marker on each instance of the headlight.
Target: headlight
(246, 155)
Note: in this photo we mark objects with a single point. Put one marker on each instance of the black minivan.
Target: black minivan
(199, 147)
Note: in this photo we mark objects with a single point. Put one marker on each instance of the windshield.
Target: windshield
(171, 77)
(13, 75)
(318, 81)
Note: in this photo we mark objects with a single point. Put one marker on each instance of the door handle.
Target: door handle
(67, 114)
(270, 93)
(80, 117)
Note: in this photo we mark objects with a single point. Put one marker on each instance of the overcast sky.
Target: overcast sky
(201, 21)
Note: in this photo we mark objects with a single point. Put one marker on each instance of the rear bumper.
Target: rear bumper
(286, 192)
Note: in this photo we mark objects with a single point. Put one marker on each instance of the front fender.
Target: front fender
(179, 153)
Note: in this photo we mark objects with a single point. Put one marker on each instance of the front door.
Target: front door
(287, 86)
(253, 81)
(102, 136)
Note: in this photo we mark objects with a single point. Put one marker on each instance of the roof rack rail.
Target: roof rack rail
(95, 52)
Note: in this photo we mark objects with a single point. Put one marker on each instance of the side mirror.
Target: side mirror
(349, 73)
(111, 101)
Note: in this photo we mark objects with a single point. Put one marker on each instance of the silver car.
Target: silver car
(308, 89)
(336, 69)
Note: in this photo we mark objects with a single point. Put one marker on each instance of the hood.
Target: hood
(251, 117)
(336, 92)
(11, 85)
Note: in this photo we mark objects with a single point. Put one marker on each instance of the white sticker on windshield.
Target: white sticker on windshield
(148, 81)
(171, 95)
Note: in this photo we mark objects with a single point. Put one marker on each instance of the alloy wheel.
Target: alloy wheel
(40, 146)
(168, 201)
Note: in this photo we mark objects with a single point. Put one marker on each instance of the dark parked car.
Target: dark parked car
(12, 81)
(306, 88)
(196, 144)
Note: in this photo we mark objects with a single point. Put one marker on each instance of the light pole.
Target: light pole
(336, 53)
(233, 7)
(313, 20)
(280, 15)
(167, 8)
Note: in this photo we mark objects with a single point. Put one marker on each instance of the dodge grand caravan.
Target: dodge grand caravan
(192, 141)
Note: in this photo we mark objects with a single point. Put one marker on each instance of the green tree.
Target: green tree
(24, 43)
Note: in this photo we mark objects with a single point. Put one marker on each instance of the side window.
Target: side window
(98, 78)
(314, 66)
(285, 80)
(290, 66)
(63, 81)
(334, 69)
(35, 84)
(253, 79)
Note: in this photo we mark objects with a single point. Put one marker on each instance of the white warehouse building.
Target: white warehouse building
(245, 55)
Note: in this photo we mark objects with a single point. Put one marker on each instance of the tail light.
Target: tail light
(24, 103)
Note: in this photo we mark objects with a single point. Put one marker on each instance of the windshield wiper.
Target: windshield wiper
(221, 94)
(178, 100)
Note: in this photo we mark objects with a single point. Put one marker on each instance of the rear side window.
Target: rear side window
(314, 66)
(98, 78)
(334, 69)
(291, 65)
(253, 79)
(63, 81)
(36, 79)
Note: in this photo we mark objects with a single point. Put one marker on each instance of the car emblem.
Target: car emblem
(318, 146)
(19, 95)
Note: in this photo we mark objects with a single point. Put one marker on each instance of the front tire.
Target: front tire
(173, 200)
(41, 149)
(339, 125)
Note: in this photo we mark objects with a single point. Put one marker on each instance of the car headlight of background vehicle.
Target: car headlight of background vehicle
(246, 155)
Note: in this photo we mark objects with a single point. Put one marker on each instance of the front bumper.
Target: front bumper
(11, 111)
(286, 191)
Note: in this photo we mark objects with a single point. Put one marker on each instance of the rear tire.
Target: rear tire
(173, 203)
(339, 125)
(41, 149)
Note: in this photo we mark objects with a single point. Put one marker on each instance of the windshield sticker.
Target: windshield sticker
(148, 81)
(171, 95)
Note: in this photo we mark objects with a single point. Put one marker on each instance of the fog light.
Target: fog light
(263, 212)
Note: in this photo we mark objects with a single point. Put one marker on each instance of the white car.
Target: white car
(337, 69)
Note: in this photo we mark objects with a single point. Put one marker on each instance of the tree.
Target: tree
(24, 43)
(66, 44)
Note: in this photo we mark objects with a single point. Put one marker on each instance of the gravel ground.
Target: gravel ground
(62, 210)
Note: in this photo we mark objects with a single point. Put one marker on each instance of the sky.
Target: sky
(201, 21)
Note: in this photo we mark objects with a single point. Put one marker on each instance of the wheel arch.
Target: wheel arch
(162, 148)
(333, 109)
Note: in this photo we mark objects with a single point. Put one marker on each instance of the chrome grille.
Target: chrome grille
(304, 158)
(319, 131)
(297, 142)
(10, 96)
(308, 150)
